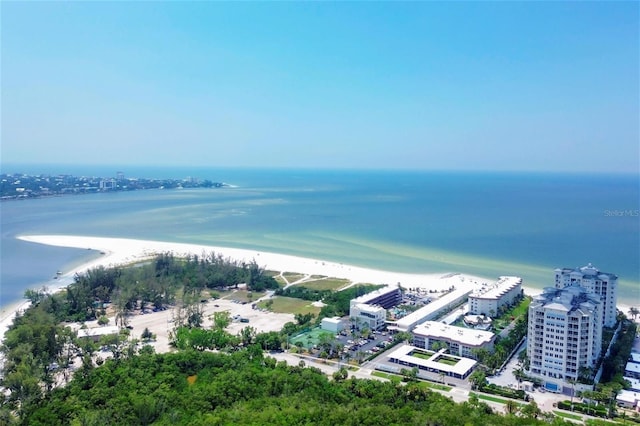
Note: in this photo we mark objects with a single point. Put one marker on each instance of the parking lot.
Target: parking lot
(352, 343)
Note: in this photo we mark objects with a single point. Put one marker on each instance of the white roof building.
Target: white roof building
(632, 369)
(461, 341)
(96, 333)
(461, 369)
(489, 299)
(386, 297)
(433, 309)
(634, 383)
(368, 316)
(628, 399)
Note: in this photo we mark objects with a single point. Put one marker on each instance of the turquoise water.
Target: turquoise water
(478, 223)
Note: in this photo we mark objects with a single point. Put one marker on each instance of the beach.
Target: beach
(122, 251)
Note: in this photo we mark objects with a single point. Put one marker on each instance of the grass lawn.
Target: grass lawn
(332, 284)
(246, 296)
(432, 385)
(420, 354)
(291, 305)
(567, 415)
(281, 282)
(447, 360)
(491, 398)
(292, 276)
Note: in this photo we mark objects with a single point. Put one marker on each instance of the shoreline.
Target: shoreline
(122, 251)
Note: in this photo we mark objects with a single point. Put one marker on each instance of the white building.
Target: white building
(603, 284)
(490, 298)
(333, 325)
(96, 333)
(433, 310)
(386, 297)
(368, 316)
(460, 341)
(565, 334)
(460, 368)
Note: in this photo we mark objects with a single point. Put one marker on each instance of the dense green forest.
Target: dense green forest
(198, 388)
(152, 285)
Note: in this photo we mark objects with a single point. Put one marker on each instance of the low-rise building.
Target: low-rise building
(488, 299)
(432, 311)
(628, 399)
(96, 333)
(368, 316)
(385, 297)
(632, 369)
(460, 341)
(455, 366)
(333, 325)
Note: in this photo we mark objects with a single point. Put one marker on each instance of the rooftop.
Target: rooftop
(403, 353)
(494, 291)
(465, 336)
(366, 298)
(100, 331)
(425, 312)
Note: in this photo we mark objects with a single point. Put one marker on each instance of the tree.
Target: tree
(146, 334)
(477, 379)
(103, 320)
(340, 375)
(531, 410)
(634, 312)
(511, 407)
(247, 335)
(221, 320)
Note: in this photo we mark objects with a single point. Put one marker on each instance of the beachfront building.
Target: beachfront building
(432, 311)
(604, 284)
(460, 341)
(565, 335)
(368, 316)
(488, 299)
(433, 362)
(386, 297)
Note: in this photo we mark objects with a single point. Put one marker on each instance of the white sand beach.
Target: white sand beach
(119, 251)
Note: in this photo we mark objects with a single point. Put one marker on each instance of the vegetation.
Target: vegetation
(289, 305)
(191, 387)
(332, 284)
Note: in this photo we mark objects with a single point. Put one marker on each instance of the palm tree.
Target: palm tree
(634, 312)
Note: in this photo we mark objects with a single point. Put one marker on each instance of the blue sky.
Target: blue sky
(540, 86)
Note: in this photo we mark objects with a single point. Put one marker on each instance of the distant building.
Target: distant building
(368, 316)
(96, 333)
(490, 298)
(385, 297)
(461, 341)
(603, 284)
(333, 325)
(564, 335)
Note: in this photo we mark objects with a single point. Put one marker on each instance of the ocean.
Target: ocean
(486, 224)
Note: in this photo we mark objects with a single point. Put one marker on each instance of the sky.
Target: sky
(533, 86)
